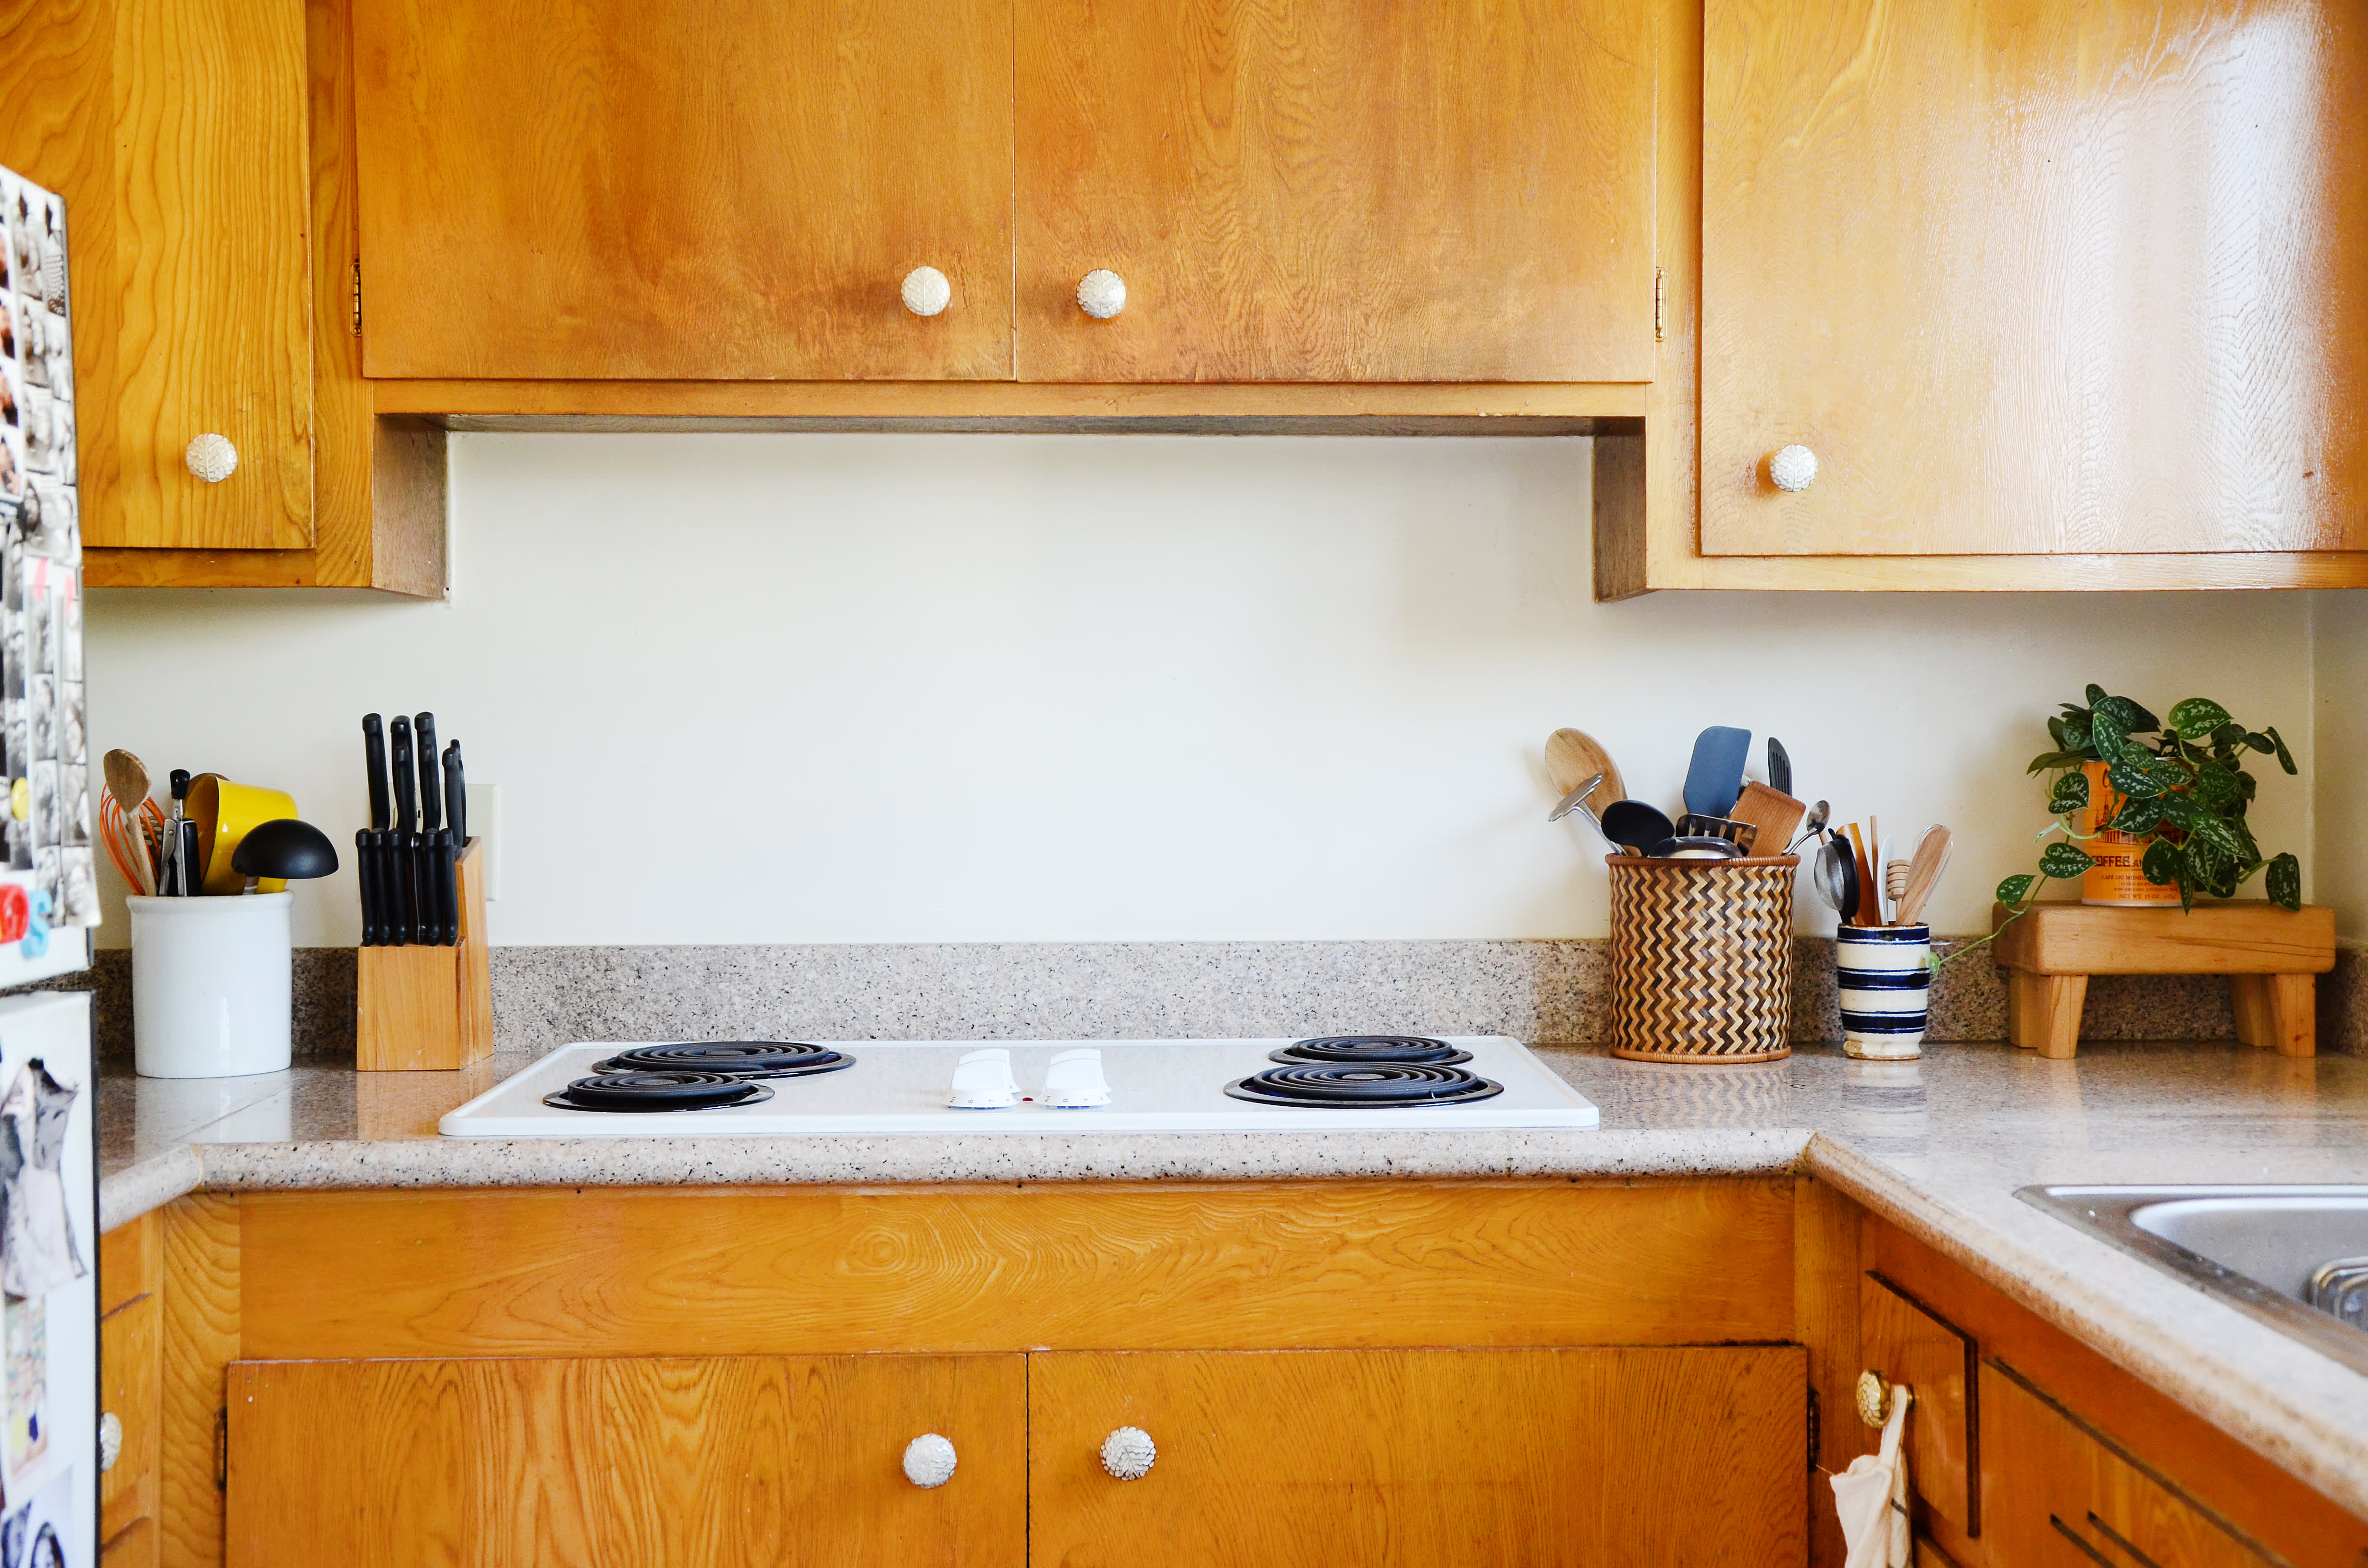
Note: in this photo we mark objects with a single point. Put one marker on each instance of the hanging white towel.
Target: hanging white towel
(1872, 1497)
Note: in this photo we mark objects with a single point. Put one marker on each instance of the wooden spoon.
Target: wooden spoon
(1924, 874)
(1573, 758)
(127, 780)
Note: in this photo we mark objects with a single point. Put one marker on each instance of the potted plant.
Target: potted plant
(2178, 785)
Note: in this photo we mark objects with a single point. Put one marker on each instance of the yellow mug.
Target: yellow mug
(226, 812)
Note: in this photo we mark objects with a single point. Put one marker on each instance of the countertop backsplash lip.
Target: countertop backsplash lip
(1547, 990)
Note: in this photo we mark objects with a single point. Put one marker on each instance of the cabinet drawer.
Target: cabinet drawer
(129, 1346)
(1660, 1456)
(2062, 1494)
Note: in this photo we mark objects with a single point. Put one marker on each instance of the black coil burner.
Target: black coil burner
(738, 1059)
(1367, 1086)
(1336, 1049)
(657, 1091)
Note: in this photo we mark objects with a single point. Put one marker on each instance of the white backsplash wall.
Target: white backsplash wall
(940, 688)
(2340, 744)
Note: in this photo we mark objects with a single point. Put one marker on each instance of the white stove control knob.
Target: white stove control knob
(983, 1081)
(212, 458)
(1793, 468)
(110, 1441)
(929, 1460)
(1102, 293)
(1127, 1453)
(926, 291)
(1075, 1081)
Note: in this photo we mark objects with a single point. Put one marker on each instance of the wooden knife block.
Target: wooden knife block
(430, 1008)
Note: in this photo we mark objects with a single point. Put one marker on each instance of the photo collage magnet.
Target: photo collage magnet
(44, 742)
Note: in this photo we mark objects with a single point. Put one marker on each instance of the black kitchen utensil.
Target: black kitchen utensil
(369, 853)
(286, 848)
(177, 853)
(431, 774)
(1635, 826)
(1837, 877)
(1780, 766)
(456, 795)
(403, 840)
(1714, 778)
(1742, 835)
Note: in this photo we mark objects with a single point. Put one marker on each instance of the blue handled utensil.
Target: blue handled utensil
(1714, 778)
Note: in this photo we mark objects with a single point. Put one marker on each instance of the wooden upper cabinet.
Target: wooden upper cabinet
(685, 190)
(174, 130)
(2035, 277)
(1394, 191)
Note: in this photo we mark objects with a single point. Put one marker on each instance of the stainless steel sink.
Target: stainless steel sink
(2296, 1257)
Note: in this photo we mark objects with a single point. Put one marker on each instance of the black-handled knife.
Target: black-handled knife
(431, 784)
(456, 795)
(403, 908)
(368, 852)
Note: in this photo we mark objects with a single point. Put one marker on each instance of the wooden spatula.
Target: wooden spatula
(1776, 814)
(1574, 757)
(1924, 874)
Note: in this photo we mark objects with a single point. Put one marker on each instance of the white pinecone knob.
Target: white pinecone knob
(1101, 294)
(929, 1460)
(110, 1441)
(1793, 468)
(926, 291)
(212, 458)
(1127, 1453)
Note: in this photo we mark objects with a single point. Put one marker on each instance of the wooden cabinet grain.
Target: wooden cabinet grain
(2035, 281)
(2058, 1493)
(690, 1462)
(664, 190)
(1295, 191)
(201, 148)
(1658, 1455)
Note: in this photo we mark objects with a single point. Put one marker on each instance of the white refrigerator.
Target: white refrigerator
(50, 1438)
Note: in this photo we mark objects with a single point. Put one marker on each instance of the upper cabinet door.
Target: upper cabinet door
(683, 189)
(175, 131)
(1393, 190)
(2035, 277)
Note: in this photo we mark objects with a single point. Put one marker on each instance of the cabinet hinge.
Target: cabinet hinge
(1813, 1430)
(1660, 278)
(357, 296)
(222, 1451)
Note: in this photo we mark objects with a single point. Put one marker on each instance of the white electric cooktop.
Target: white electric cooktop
(1149, 1086)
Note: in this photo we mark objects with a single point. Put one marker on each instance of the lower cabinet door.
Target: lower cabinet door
(1657, 1457)
(632, 1460)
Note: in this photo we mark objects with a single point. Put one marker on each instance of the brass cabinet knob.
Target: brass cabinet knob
(1873, 1397)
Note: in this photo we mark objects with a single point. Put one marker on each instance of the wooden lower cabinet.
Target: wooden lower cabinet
(1662, 1456)
(632, 1460)
(1658, 1455)
(2058, 1491)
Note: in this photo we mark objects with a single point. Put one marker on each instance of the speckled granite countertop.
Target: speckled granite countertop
(1937, 1147)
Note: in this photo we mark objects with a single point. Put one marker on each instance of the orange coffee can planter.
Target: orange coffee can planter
(2115, 879)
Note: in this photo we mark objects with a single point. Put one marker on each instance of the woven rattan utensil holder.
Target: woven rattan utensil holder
(1702, 958)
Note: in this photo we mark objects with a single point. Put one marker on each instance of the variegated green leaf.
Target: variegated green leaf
(2197, 717)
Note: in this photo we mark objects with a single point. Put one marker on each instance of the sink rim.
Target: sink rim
(2105, 1212)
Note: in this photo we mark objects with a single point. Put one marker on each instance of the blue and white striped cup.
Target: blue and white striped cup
(1885, 984)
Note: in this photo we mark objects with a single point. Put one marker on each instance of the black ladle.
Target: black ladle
(286, 848)
(1635, 826)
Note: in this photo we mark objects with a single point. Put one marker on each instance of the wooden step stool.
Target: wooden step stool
(2273, 957)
